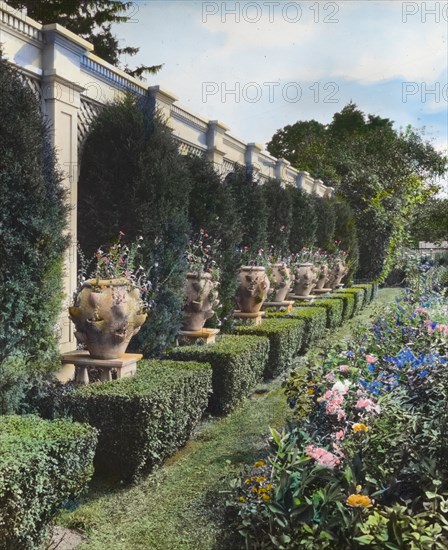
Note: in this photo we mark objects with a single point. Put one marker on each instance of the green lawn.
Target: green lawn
(180, 506)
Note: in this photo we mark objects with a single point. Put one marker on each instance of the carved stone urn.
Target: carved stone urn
(337, 274)
(107, 313)
(253, 288)
(304, 279)
(201, 297)
(283, 279)
(324, 271)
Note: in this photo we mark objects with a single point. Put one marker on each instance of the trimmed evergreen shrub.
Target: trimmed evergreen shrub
(285, 341)
(212, 206)
(143, 419)
(32, 224)
(334, 310)
(304, 219)
(238, 364)
(315, 319)
(133, 179)
(42, 464)
(279, 208)
(348, 304)
(358, 293)
(326, 221)
(251, 207)
(368, 287)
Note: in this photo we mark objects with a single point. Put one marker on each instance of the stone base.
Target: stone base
(254, 318)
(310, 298)
(124, 366)
(207, 334)
(281, 306)
(322, 290)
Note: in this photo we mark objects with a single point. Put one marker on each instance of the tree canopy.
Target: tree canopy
(383, 173)
(91, 20)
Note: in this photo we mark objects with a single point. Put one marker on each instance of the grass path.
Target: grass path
(180, 507)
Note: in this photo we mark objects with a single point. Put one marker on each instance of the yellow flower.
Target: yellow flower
(259, 479)
(265, 497)
(360, 428)
(359, 501)
(242, 499)
(260, 463)
(358, 488)
(310, 391)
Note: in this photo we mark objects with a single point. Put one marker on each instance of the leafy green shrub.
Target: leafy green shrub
(143, 419)
(32, 225)
(334, 310)
(14, 377)
(285, 341)
(369, 288)
(348, 307)
(315, 319)
(42, 464)
(238, 364)
(359, 295)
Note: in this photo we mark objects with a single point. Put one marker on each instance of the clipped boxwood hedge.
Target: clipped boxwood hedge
(348, 301)
(42, 464)
(368, 287)
(238, 364)
(143, 419)
(285, 337)
(315, 319)
(334, 310)
(358, 293)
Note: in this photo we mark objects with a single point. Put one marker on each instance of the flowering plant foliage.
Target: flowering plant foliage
(252, 257)
(200, 254)
(370, 456)
(115, 261)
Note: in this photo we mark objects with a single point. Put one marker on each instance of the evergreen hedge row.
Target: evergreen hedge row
(334, 311)
(315, 319)
(358, 294)
(348, 307)
(143, 419)
(42, 464)
(285, 338)
(238, 364)
(370, 291)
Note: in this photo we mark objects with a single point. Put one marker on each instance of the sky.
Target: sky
(258, 66)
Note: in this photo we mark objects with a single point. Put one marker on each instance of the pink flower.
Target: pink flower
(422, 311)
(323, 457)
(371, 359)
(368, 405)
(340, 387)
(343, 368)
(339, 435)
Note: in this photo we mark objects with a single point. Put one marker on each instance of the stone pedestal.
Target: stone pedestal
(320, 291)
(310, 298)
(280, 306)
(253, 318)
(124, 366)
(191, 336)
